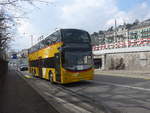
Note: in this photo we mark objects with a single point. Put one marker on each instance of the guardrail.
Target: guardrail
(126, 44)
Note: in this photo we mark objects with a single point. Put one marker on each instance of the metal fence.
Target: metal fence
(125, 44)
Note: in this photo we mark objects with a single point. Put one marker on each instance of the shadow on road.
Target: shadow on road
(79, 84)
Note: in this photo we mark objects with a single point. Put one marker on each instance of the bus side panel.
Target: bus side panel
(49, 58)
(47, 55)
(46, 72)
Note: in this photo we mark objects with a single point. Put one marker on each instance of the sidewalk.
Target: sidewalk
(16, 96)
(124, 73)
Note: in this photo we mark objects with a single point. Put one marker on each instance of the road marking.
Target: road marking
(68, 105)
(125, 86)
(146, 78)
(123, 75)
(27, 76)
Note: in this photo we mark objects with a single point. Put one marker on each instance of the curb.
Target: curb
(134, 75)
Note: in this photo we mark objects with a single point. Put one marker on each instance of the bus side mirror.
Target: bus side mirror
(60, 49)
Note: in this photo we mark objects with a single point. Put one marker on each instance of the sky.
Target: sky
(90, 15)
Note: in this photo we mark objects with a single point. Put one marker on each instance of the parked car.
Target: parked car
(23, 67)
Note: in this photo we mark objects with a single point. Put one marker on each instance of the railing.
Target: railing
(126, 44)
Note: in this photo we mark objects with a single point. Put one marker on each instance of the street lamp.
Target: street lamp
(31, 38)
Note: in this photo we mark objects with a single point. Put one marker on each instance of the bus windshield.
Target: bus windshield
(77, 60)
(75, 36)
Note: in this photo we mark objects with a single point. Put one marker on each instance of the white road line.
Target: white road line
(72, 107)
(125, 86)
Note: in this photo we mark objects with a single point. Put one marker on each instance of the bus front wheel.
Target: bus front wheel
(51, 77)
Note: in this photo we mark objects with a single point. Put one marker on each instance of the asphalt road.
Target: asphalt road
(16, 96)
(105, 94)
(128, 95)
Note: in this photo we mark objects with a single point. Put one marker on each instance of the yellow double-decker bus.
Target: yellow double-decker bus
(63, 57)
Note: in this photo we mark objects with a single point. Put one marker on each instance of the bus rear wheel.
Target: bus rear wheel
(51, 77)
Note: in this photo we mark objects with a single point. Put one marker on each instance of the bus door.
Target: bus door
(57, 67)
(40, 67)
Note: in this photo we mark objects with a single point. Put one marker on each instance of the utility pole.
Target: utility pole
(31, 40)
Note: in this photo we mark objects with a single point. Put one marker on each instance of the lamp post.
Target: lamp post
(31, 40)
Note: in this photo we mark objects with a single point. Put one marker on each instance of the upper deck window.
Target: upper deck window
(75, 36)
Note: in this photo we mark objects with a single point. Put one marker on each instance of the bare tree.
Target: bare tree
(7, 21)
(15, 2)
(4, 35)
